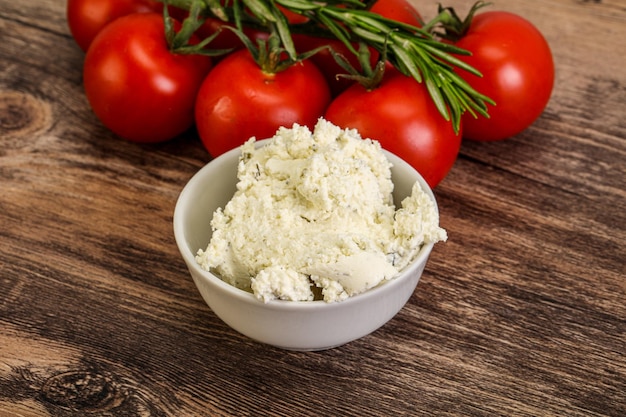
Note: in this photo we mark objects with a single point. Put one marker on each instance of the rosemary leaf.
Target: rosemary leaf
(261, 9)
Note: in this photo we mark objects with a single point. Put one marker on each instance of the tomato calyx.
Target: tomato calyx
(454, 28)
(369, 77)
(269, 54)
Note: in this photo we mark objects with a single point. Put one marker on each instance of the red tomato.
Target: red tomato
(227, 38)
(292, 17)
(518, 74)
(238, 100)
(399, 10)
(136, 86)
(86, 18)
(401, 115)
(325, 61)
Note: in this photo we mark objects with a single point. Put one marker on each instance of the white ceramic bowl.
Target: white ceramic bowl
(295, 325)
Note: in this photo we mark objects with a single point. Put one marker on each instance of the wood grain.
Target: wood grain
(521, 313)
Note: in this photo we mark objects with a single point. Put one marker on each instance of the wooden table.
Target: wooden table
(521, 313)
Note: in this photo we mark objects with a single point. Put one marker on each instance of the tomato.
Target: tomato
(399, 10)
(292, 17)
(227, 38)
(86, 18)
(400, 114)
(136, 86)
(238, 100)
(518, 74)
(325, 61)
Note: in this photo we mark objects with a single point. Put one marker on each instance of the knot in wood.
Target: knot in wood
(22, 115)
(84, 391)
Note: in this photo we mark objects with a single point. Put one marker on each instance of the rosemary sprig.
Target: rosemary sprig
(414, 51)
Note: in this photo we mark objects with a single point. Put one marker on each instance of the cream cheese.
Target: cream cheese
(313, 214)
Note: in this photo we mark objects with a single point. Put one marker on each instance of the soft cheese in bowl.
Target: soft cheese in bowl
(307, 240)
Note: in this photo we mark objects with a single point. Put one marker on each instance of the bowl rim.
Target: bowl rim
(185, 198)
